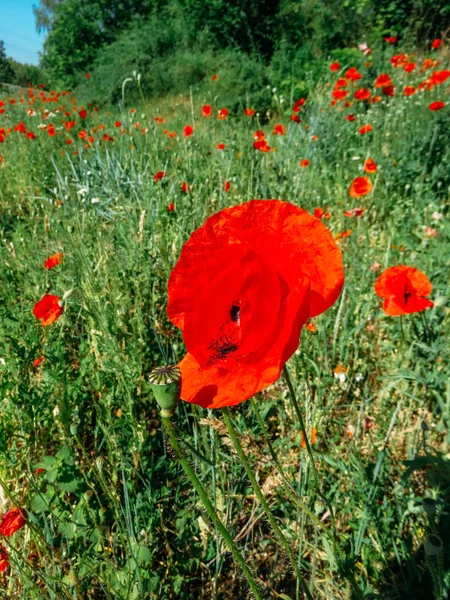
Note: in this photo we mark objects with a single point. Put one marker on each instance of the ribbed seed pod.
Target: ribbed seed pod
(166, 386)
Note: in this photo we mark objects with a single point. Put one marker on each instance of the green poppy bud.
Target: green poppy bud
(166, 386)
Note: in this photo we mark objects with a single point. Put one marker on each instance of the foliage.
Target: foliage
(6, 70)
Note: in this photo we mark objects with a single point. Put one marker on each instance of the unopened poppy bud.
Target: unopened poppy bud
(166, 386)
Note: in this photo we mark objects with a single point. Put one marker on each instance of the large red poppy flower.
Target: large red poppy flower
(404, 290)
(245, 284)
(12, 521)
(48, 309)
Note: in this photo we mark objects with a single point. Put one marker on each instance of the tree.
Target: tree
(6, 71)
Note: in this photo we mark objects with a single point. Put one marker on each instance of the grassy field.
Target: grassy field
(110, 513)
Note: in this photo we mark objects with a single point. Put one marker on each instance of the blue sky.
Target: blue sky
(18, 30)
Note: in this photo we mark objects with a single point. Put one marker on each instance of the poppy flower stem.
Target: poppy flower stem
(248, 469)
(168, 428)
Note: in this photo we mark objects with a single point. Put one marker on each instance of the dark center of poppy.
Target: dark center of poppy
(406, 295)
(235, 312)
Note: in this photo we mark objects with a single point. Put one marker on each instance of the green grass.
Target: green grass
(111, 514)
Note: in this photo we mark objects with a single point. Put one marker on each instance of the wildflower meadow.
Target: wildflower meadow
(286, 273)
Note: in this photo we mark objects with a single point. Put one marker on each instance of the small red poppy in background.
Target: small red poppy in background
(350, 118)
(261, 145)
(220, 146)
(295, 118)
(360, 187)
(354, 212)
(404, 290)
(82, 113)
(12, 521)
(215, 77)
(390, 40)
(353, 74)
(437, 43)
(311, 326)
(207, 110)
(279, 129)
(30, 135)
(335, 66)
(389, 90)
(4, 560)
(362, 94)
(304, 163)
(171, 207)
(370, 166)
(319, 213)
(188, 131)
(185, 187)
(409, 90)
(438, 105)
(244, 286)
(159, 175)
(88, 75)
(383, 80)
(313, 437)
(38, 361)
(52, 261)
(249, 112)
(226, 186)
(223, 114)
(48, 309)
(298, 104)
(117, 124)
(365, 129)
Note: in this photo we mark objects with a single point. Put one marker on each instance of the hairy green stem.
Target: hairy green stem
(281, 538)
(168, 428)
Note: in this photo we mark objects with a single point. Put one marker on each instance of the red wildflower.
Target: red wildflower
(439, 77)
(48, 309)
(365, 129)
(404, 290)
(362, 94)
(220, 146)
(390, 40)
(436, 43)
(370, 166)
(37, 361)
(188, 131)
(223, 114)
(4, 561)
(295, 118)
(383, 80)
(335, 66)
(436, 106)
(82, 113)
(313, 437)
(354, 212)
(298, 104)
(389, 90)
(245, 284)
(279, 129)
(30, 135)
(339, 94)
(54, 260)
(409, 90)
(88, 75)
(259, 135)
(159, 175)
(118, 124)
(226, 186)
(350, 118)
(185, 187)
(353, 74)
(360, 187)
(261, 145)
(12, 521)
(207, 110)
(249, 112)
(215, 77)
(319, 213)
(310, 326)
(171, 207)
(304, 162)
